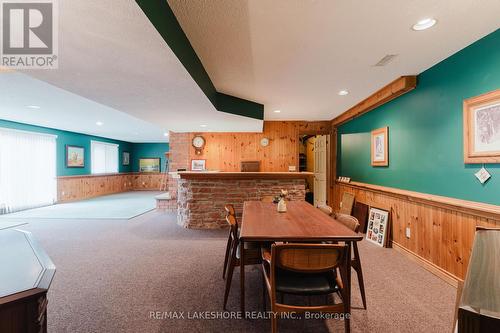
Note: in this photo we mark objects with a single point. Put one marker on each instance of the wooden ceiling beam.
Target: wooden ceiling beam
(391, 91)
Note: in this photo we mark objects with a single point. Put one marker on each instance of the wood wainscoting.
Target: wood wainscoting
(71, 188)
(441, 229)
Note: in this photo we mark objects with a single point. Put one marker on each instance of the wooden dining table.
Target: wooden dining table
(302, 222)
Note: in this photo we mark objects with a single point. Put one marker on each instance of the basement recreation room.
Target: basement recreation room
(249, 166)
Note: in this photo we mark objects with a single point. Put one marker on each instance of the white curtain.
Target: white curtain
(27, 170)
(104, 157)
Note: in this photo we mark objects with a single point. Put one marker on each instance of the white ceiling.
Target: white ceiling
(111, 54)
(292, 55)
(295, 55)
(61, 109)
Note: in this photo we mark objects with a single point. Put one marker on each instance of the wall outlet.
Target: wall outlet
(292, 168)
(408, 233)
(63, 193)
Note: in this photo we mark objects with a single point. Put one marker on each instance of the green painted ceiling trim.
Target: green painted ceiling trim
(163, 19)
(239, 106)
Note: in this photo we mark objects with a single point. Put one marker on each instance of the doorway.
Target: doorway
(313, 156)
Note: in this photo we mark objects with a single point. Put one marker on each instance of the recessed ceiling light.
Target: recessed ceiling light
(32, 106)
(99, 123)
(203, 125)
(165, 134)
(424, 24)
(277, 111)
(343, 92)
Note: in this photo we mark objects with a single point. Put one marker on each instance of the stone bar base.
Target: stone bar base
(165, 202)
(200, 202)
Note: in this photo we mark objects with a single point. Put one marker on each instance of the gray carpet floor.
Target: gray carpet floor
(111, 274)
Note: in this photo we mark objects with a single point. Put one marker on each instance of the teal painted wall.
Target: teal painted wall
(148, 150)
(64, 138)
(426, 130)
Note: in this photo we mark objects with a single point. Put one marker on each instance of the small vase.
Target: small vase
(282, 205)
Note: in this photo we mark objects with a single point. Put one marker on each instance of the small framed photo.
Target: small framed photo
(126, 158)
(380, 147)
(378, 227)
(75, 156)
(482, 128)
(198, 165)
(149, 165)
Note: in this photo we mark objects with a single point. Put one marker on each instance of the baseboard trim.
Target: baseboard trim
(433, 268)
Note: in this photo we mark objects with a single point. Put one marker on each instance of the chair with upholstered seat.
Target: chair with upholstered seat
(352, 223)
(304, 270)
(326, 209)
(252, 254)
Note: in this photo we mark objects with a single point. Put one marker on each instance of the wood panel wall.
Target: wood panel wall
(442, 229)
(74, 188)
(225, 151)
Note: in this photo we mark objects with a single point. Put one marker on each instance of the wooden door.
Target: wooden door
(320, 154)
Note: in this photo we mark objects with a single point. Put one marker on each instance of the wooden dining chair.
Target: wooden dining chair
(229, 208)
(352, 223)
(252, 254)
(304, 270)
(326, 209)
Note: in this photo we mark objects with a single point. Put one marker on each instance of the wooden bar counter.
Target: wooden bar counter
(201, 196)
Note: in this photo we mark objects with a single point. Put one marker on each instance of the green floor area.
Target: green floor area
(122, 206)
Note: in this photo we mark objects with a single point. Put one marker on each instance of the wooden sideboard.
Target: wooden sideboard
(24, 281)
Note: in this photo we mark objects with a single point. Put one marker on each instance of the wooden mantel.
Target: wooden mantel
(241, 175)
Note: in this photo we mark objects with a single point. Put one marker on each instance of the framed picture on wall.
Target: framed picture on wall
(75, 156)
(482, 128)
(378, 227)
(380, 147)
(126, 158)
(198, 165)
(149, 165)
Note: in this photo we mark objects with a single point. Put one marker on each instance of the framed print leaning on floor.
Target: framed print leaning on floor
(482, 128)
(378, 227)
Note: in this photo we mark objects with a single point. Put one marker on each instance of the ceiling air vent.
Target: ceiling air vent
(385, 60)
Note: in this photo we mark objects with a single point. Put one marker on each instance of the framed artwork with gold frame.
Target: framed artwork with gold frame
(380, 147)
(75, 156)
(482, 128)
(149, 164)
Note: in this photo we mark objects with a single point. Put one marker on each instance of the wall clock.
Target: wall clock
(198, 144)
(264, 142)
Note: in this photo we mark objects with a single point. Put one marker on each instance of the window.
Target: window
(27, 170)
(104, 157)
